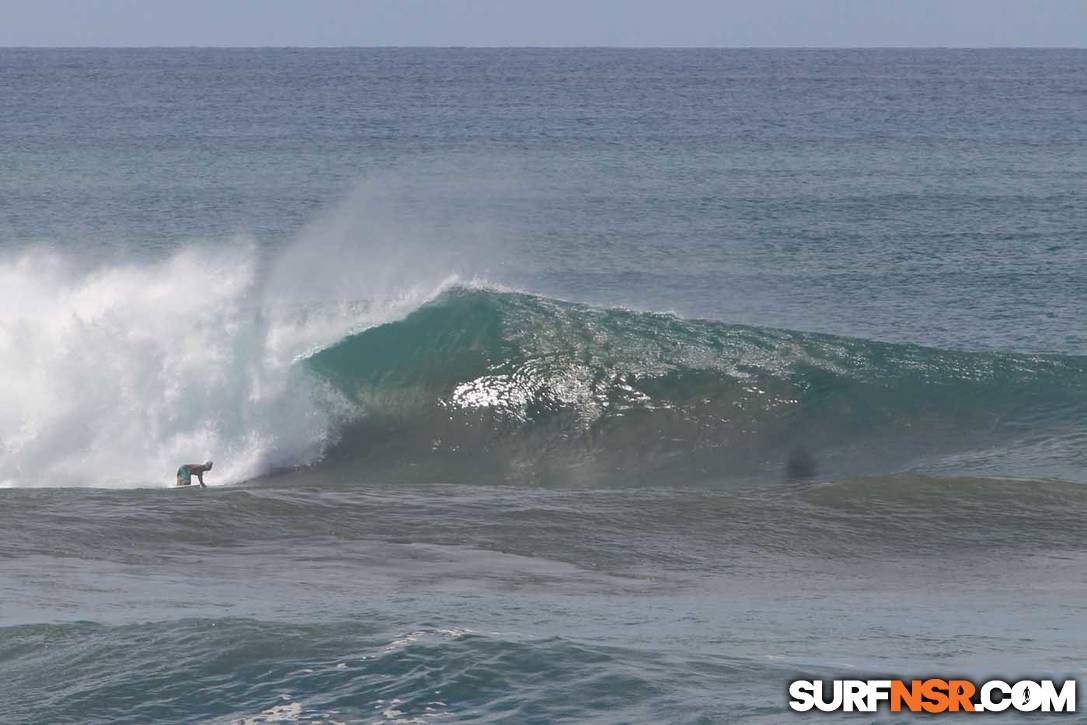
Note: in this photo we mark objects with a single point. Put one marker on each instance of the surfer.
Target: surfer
(188, 470)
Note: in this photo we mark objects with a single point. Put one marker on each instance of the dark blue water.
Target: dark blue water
(542, 385)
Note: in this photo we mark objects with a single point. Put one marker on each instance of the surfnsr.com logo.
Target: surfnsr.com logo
(932, 695)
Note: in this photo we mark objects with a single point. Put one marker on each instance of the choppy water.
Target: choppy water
(549, 385)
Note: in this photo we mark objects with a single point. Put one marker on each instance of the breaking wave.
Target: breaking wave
(113, 377)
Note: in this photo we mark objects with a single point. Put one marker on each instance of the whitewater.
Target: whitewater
(116, 371)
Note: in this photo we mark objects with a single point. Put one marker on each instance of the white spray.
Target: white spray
(115, 375)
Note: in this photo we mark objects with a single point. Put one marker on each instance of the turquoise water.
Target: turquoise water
(542, 385)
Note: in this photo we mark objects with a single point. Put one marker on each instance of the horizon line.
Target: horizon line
(542, 47)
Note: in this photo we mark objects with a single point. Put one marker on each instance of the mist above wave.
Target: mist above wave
(114, 373)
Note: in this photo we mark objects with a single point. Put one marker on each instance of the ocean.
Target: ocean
(542, 385)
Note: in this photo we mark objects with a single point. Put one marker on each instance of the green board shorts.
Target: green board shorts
(184, 476)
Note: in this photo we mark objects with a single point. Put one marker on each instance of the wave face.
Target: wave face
(487, 385)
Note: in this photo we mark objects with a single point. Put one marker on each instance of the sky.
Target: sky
(713, 23)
